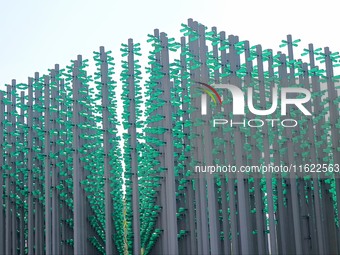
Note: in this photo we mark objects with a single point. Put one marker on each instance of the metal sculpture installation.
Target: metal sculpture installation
(83, 174)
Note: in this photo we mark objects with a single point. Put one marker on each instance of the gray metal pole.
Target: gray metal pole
(8, 237)
(48, 204)
(132, 131)
(266, 146)
(223, 157)
(214, 232)
(78, 242)
(238, 139)
(39, 229)
(320, 153)
(169, 158)
(21, 158)
(2, 211)
(106, 144)
(186, 130)
(55, 201)
(200, 184)
(290, 151)
(225, 60)
(30, 220)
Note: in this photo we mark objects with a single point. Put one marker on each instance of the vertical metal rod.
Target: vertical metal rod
(238, 139)
(225, 60)
(319, 153)
(13, 166)
(8, 236)
(48, 204)
(39, 230)
(78, 242)
(214, 232)
(293, 183)
(192, 247)
(55, 201)
(132, 131)
(223, 159)
(200, 184)
(266, 147)
(2, 211)
(106, 144)
(21, 218)
(169, 158)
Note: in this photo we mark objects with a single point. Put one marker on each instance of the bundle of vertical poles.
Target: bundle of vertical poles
(107, 163)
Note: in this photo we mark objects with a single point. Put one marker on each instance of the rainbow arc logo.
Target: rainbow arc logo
(209, 90)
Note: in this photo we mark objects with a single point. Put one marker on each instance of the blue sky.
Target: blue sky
(36, 34)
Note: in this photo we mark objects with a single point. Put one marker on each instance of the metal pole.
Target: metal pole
(48, 204)
(132, 131)
(169, 158)
(78, 242)
(2, 211)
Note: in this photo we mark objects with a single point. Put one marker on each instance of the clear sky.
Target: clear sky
(36, 34)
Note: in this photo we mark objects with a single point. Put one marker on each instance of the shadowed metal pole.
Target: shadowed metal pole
(132, 131)
(2, 213)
